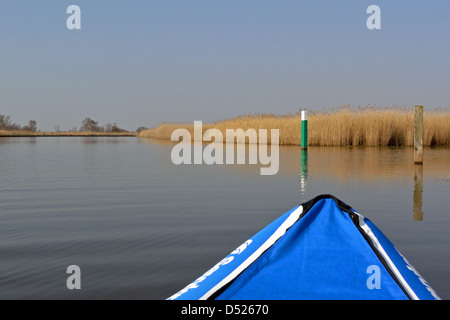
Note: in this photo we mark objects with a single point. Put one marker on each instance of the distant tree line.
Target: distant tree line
(140, 129)
(91, 125)
(87, 125)
(8, 125)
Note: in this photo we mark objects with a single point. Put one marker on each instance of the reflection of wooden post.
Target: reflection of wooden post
(418, 191)
(418, 134)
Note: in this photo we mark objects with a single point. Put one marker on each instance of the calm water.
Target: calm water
(140, 227)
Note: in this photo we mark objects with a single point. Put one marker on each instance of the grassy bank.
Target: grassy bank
(21, 133)
(346, 126)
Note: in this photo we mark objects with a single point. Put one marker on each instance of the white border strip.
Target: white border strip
(293, 217)
(386, 257)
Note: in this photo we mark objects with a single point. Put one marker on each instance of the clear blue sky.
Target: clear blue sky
(141, 62)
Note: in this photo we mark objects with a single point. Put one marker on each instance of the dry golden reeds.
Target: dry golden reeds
(346, 126)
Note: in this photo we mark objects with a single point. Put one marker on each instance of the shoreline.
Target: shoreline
(370, 127)
(16, 134)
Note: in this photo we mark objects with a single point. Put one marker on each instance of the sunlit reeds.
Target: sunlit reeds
(346, 126)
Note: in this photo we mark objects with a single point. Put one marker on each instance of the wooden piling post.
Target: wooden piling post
(418, 135)
(304, 131)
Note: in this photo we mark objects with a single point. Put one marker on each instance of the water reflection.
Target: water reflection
(356, 170)
(418, 193)
(367, 173)
(363, 173)
(65, 139)
(15, 140)
(132, 217)
(303, 170)
(96, 140)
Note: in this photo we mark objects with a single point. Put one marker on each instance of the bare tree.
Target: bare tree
(31, 126)
(5, 122)
(141, 128)
(90, 125)
(113, 127)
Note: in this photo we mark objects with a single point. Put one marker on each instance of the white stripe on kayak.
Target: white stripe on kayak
(386, 257)
(293, 217)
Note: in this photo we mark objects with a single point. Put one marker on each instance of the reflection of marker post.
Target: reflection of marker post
(304, 132)
(303, 170)
(418, 134)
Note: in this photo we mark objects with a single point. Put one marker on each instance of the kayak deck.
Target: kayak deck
(322, 249)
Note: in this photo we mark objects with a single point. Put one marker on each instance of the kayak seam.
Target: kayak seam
(355, 217)
(395, 274)
(269, 243)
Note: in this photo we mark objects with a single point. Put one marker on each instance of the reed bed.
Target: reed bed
(345, 126)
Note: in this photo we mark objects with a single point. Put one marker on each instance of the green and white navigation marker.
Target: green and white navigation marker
(304, 132)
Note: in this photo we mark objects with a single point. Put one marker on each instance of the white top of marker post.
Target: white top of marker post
(304, 117)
